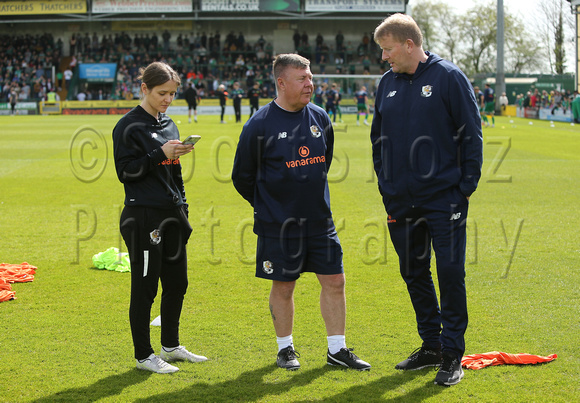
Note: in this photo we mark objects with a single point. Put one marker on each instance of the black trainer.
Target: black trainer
(287, 359)
(422, 357)
(450, 372)
(346, 358)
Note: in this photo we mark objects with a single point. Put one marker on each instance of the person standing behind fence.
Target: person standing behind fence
(361, 97)
(237, 95)
(319, 93)
(154, 221)
(331, 101)
(223, 96)
(254, 96)
(192, 98)
(13, 99)
(503, 102)
(427, 153)
(489, 102)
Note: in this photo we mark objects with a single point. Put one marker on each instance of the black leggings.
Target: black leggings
(156, 240)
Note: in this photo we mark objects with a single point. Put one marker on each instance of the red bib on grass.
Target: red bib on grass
(478, 361)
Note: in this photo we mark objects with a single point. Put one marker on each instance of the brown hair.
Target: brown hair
(284, 60)
(158, 73)
(401, 27)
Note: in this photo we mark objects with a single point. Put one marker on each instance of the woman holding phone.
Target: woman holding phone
(154, 222)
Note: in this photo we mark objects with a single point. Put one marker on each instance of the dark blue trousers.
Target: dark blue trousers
(416, 230)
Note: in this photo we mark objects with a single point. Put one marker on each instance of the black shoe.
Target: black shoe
(347, 358)
(287, 359)
(450, 372)
(422, 357)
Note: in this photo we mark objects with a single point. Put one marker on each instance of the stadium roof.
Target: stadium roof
(50, 11)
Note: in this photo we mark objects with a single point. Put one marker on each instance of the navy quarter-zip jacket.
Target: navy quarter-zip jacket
(426, 133)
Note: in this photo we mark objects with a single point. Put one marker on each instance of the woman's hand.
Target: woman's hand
(174, 149)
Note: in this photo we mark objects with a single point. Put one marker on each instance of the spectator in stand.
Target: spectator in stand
(546, 99)
(365, 43)
(576, 107)
(534, 101)
(366, 62)
(72, 45)
(166, 36)
(304, 38)
(296, 38)
(319, 40)
(527, 100)
(339, 38)
(503, 102)
(250, 77)
(322, 64)
(557, 102)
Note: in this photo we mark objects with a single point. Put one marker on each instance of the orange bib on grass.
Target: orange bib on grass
(478, 361)
(6, 295)
(17, 273)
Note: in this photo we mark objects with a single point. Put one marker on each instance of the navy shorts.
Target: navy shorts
(285, 259)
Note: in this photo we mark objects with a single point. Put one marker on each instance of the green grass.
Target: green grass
(66, 336)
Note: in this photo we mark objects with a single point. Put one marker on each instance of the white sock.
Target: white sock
(284, 342)
(336, 343)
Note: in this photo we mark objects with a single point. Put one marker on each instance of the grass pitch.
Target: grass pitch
(66, 337)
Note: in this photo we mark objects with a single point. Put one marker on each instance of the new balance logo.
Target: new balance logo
(391, 94)
(282, 135)
(455, 216)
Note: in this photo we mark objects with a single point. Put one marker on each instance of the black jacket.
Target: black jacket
(149, 177)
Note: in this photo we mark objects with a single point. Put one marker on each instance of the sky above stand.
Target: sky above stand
(524, 9)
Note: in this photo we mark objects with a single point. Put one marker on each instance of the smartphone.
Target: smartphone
(194, 138)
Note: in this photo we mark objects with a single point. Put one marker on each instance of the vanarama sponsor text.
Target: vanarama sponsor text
(305, 161)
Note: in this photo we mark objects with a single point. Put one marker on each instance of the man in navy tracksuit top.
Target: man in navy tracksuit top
(427, 154)
(280, 168)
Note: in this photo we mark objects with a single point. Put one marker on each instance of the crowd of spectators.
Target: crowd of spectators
(205, 60)
(554, 100)
(208, 60)
(338, 56)
(26, 63)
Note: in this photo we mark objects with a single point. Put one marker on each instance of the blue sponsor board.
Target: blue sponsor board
(97, 72)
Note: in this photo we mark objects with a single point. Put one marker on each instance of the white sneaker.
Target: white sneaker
(366, 123)
(155, 364)
(357, 123)
(180, 354)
